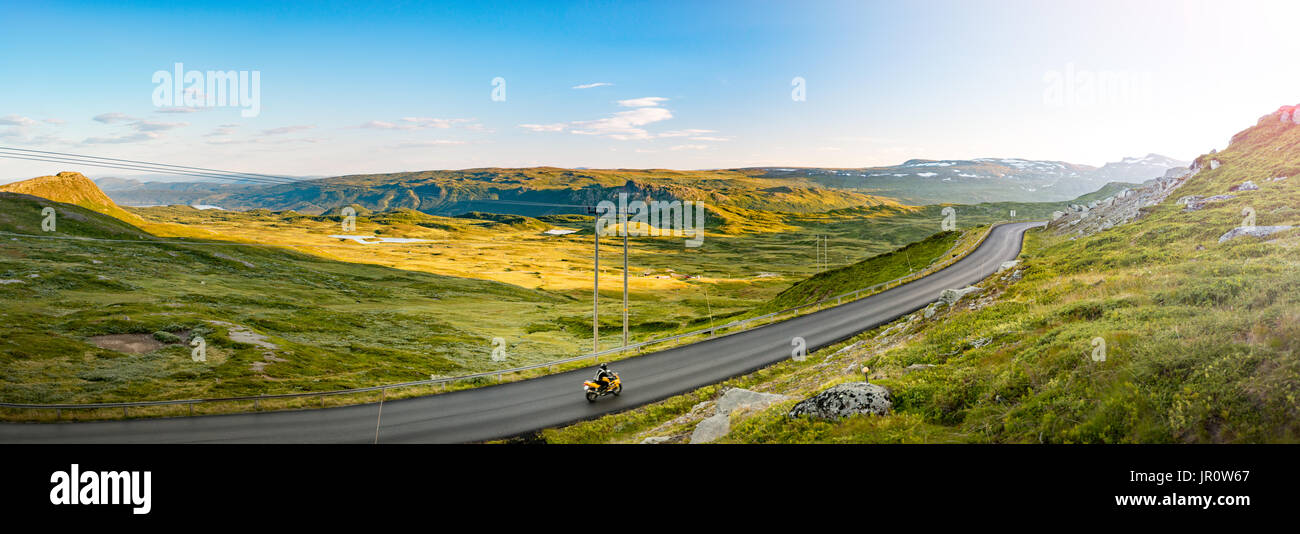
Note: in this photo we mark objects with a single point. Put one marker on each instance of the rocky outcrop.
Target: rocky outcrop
(1289, 114)
(1122, 207)
(846, 400)
(950, 297)
(1252, 231)
(734, 400)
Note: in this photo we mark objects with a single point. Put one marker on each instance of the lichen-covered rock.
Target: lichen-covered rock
(1198, 204)
(1252, 231)
(1244, 186)
(951, 296)
(846, 400)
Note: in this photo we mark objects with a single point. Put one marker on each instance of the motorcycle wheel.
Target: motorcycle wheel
(591, 396)
(617, 390)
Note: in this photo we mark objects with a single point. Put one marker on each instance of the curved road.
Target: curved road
(520, 407)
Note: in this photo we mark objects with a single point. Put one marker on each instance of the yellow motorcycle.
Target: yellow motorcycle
(594, 391)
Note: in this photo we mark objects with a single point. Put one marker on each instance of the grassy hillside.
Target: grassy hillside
(70, 309)
(71, 188)
(1202, 338)
(866, 273)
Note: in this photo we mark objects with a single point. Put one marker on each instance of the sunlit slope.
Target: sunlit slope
(71, 188)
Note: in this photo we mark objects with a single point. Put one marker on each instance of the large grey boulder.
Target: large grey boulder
(1252, 231)
(846, 400)
(951, 296)
(719, 424)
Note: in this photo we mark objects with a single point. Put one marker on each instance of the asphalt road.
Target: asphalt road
(520, 407)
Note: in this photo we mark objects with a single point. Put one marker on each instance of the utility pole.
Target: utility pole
(595, 293)
(625, 232)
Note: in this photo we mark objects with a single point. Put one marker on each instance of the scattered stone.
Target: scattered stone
(916, 367)
(1214, 164)
(1008, 264)
(845, 400)
(1253, 231)
(234, 259)
(845, 349)
(1195, 206)
(656, 440)
(1244, 186)
(1015, 276)
(3, 282)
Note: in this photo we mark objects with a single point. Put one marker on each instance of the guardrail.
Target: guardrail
(949, 258)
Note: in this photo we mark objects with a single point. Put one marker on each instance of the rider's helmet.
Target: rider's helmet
(604, 366)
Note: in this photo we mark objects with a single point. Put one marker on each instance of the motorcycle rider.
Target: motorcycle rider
(604, 376)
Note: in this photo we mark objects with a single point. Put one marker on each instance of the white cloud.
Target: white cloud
(379, 125)
(642, 102)
(426, 122)
(689, 147)
(15, 120)
(713, 139)
(627, 125)
(429, 143)
(420, 123)
(222, 130)
(180, 110)
(624, 125)
(684, 133)
(591, 85)
(287, 129)
(115, 117)
(152, 126)
(553, 127)
(129, 138)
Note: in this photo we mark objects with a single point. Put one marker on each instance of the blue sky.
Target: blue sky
(350, 87)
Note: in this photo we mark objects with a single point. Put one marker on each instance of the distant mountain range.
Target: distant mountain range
(921, 181)
(550, 190)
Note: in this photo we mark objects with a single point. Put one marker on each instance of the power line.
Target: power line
(130, 167)
(162, 166)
